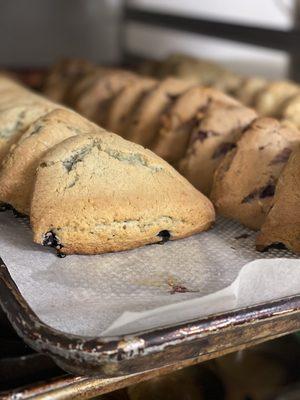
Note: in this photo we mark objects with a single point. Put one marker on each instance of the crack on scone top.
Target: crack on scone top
(74, 129)
(18, 124)
(131, 158)
(76, 157)
(37, 129)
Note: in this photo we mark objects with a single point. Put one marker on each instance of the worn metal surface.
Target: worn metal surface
(117, 356)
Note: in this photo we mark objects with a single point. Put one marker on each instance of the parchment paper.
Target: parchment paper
(150, 287)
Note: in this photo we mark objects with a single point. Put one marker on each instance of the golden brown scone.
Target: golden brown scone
(249, 88)
(63, 75)
(198, 71)
(18, 169)
(214, 134)
(244, 183)
(149, 68)
(179, 120)
(291, 110)
(93, 102)
(16, 119)
(270, 98)
(125, 102)
(282, 224)
(112, 195)
(145, 120)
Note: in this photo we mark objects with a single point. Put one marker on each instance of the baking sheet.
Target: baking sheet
(154, 286)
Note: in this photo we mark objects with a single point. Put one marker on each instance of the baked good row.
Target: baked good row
(226, 150)
(87, 190)
(279, 99)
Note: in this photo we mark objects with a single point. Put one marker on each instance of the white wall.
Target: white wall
(272, 13)
(241, 58)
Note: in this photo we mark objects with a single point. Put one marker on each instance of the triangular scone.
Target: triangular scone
(179, 120)
(145, 120)
(99, 193)
(18, 169)
(249, 88)
(16, 119)
(125, 102)
(244, 183)
(290, 110)
(271, 97)
(282, 224)
(93, 102)
(62, 77)
(214, 134)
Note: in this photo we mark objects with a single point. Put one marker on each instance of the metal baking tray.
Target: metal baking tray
(184, 343)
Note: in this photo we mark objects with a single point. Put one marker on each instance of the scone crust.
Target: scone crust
(112, 195)
(176, 124)
(282, 224)
(145, 121)
(19, 166)
(245, 181)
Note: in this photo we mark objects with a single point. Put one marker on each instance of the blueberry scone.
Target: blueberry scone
(94, 101)
(244, 183)
(18, 168)
(62, 77)
(282, 224)
(125, 102)
(214, 134)
(179, 120)
(271, 97)
(16, 119)
(145, 120)
(248, 90)
(110, 195)
(290, 110)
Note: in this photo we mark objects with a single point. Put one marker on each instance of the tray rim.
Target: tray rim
(104, 355)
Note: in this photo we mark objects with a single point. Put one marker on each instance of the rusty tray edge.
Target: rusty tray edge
(115, 356)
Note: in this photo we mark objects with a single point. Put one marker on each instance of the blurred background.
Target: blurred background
(38, 32)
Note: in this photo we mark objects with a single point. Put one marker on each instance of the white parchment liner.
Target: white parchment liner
(146, 288)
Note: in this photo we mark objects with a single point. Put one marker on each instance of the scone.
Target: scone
(125, 102)
(15, 120)
(196, 70)
(290, 110)
(245, 182)
(179, 120)
(145, 120)
(18, 169)
(214, 134)
(248, 89)
(93, 102)
(282, 224)
(149, 68)
(270, 98)
(99, 193)
(63, 75)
